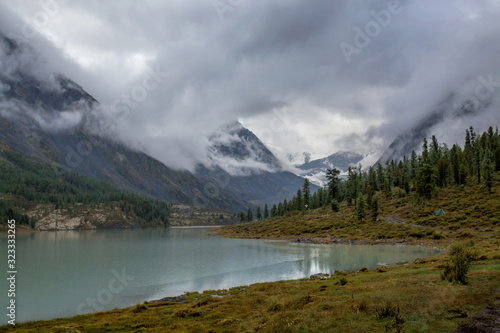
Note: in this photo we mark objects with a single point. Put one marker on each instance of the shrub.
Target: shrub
(342, 281)
(274, 307)
(359, 306)
(457, 267)
(139, 308)
(335, 206)
(386, 311)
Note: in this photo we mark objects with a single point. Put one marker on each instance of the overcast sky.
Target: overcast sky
(305, 76)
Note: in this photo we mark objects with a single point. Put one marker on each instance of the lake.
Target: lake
(65, 273)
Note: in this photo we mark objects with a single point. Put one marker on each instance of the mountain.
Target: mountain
(247, 169)
(450, 111)
(316, 170)
(49, 118)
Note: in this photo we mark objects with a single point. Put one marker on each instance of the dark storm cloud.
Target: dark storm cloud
(280, 66)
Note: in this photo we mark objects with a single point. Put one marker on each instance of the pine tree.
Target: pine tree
(249, 215)
(369, 195)
(387, 188)
(374, 208)
(335, 205)
(242, 217)
(333, 182)
(442, 172)
(425, 181)
(352, 186)
(274, 211)
(488, 168)
(462, 175)
(298, 201)
(425, 152)
(266, 211)
(259, 213)
(360, 209)
(306, 191)
(413, 165)
(435, 152)
(380, 176)
(281, 211)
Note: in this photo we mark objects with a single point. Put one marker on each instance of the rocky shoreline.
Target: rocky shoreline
(332, 240)
(172, 299)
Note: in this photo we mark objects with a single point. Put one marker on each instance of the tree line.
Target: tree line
(29, 183)
(437, 166)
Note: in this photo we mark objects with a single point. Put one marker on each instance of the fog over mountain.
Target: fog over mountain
(314, 77)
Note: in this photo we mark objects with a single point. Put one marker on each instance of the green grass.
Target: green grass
(364, 301)
(426, 303)
(470, 213)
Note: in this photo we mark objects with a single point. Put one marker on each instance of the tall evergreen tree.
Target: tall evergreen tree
(298, 201)
(488, 168)
(369, 195)
(425, 152)
(413, 165)
(259, 213)
(274, 211)
(249, 215)
(442, 172)
(360, 208)
(333, 182)
(374, 208)
(435, 151)
(266, 211)
(306, 191)
(425, 180)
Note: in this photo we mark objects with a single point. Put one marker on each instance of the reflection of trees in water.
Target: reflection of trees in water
(328, 258)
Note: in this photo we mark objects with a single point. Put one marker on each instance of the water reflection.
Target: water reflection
(60, 270)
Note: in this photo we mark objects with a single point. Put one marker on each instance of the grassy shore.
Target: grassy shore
(409, 297)
(345, 302)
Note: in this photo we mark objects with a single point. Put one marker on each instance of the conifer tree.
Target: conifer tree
(488, 168)
(424, 181)
(274, 211)
(387, 188)
(249, 215)
(374, 208)
(369, 195)
(360, 209)
(306, 191)
(333, 182)
(298, 200)
(425, 152)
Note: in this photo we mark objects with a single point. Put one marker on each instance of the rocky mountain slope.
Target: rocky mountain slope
(49, 118)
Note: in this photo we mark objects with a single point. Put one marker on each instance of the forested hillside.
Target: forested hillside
(30, 190)
(420, 176)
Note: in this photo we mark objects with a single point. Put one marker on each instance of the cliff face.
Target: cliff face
(182, 215)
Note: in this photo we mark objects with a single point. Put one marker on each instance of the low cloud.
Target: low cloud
(278, 67)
